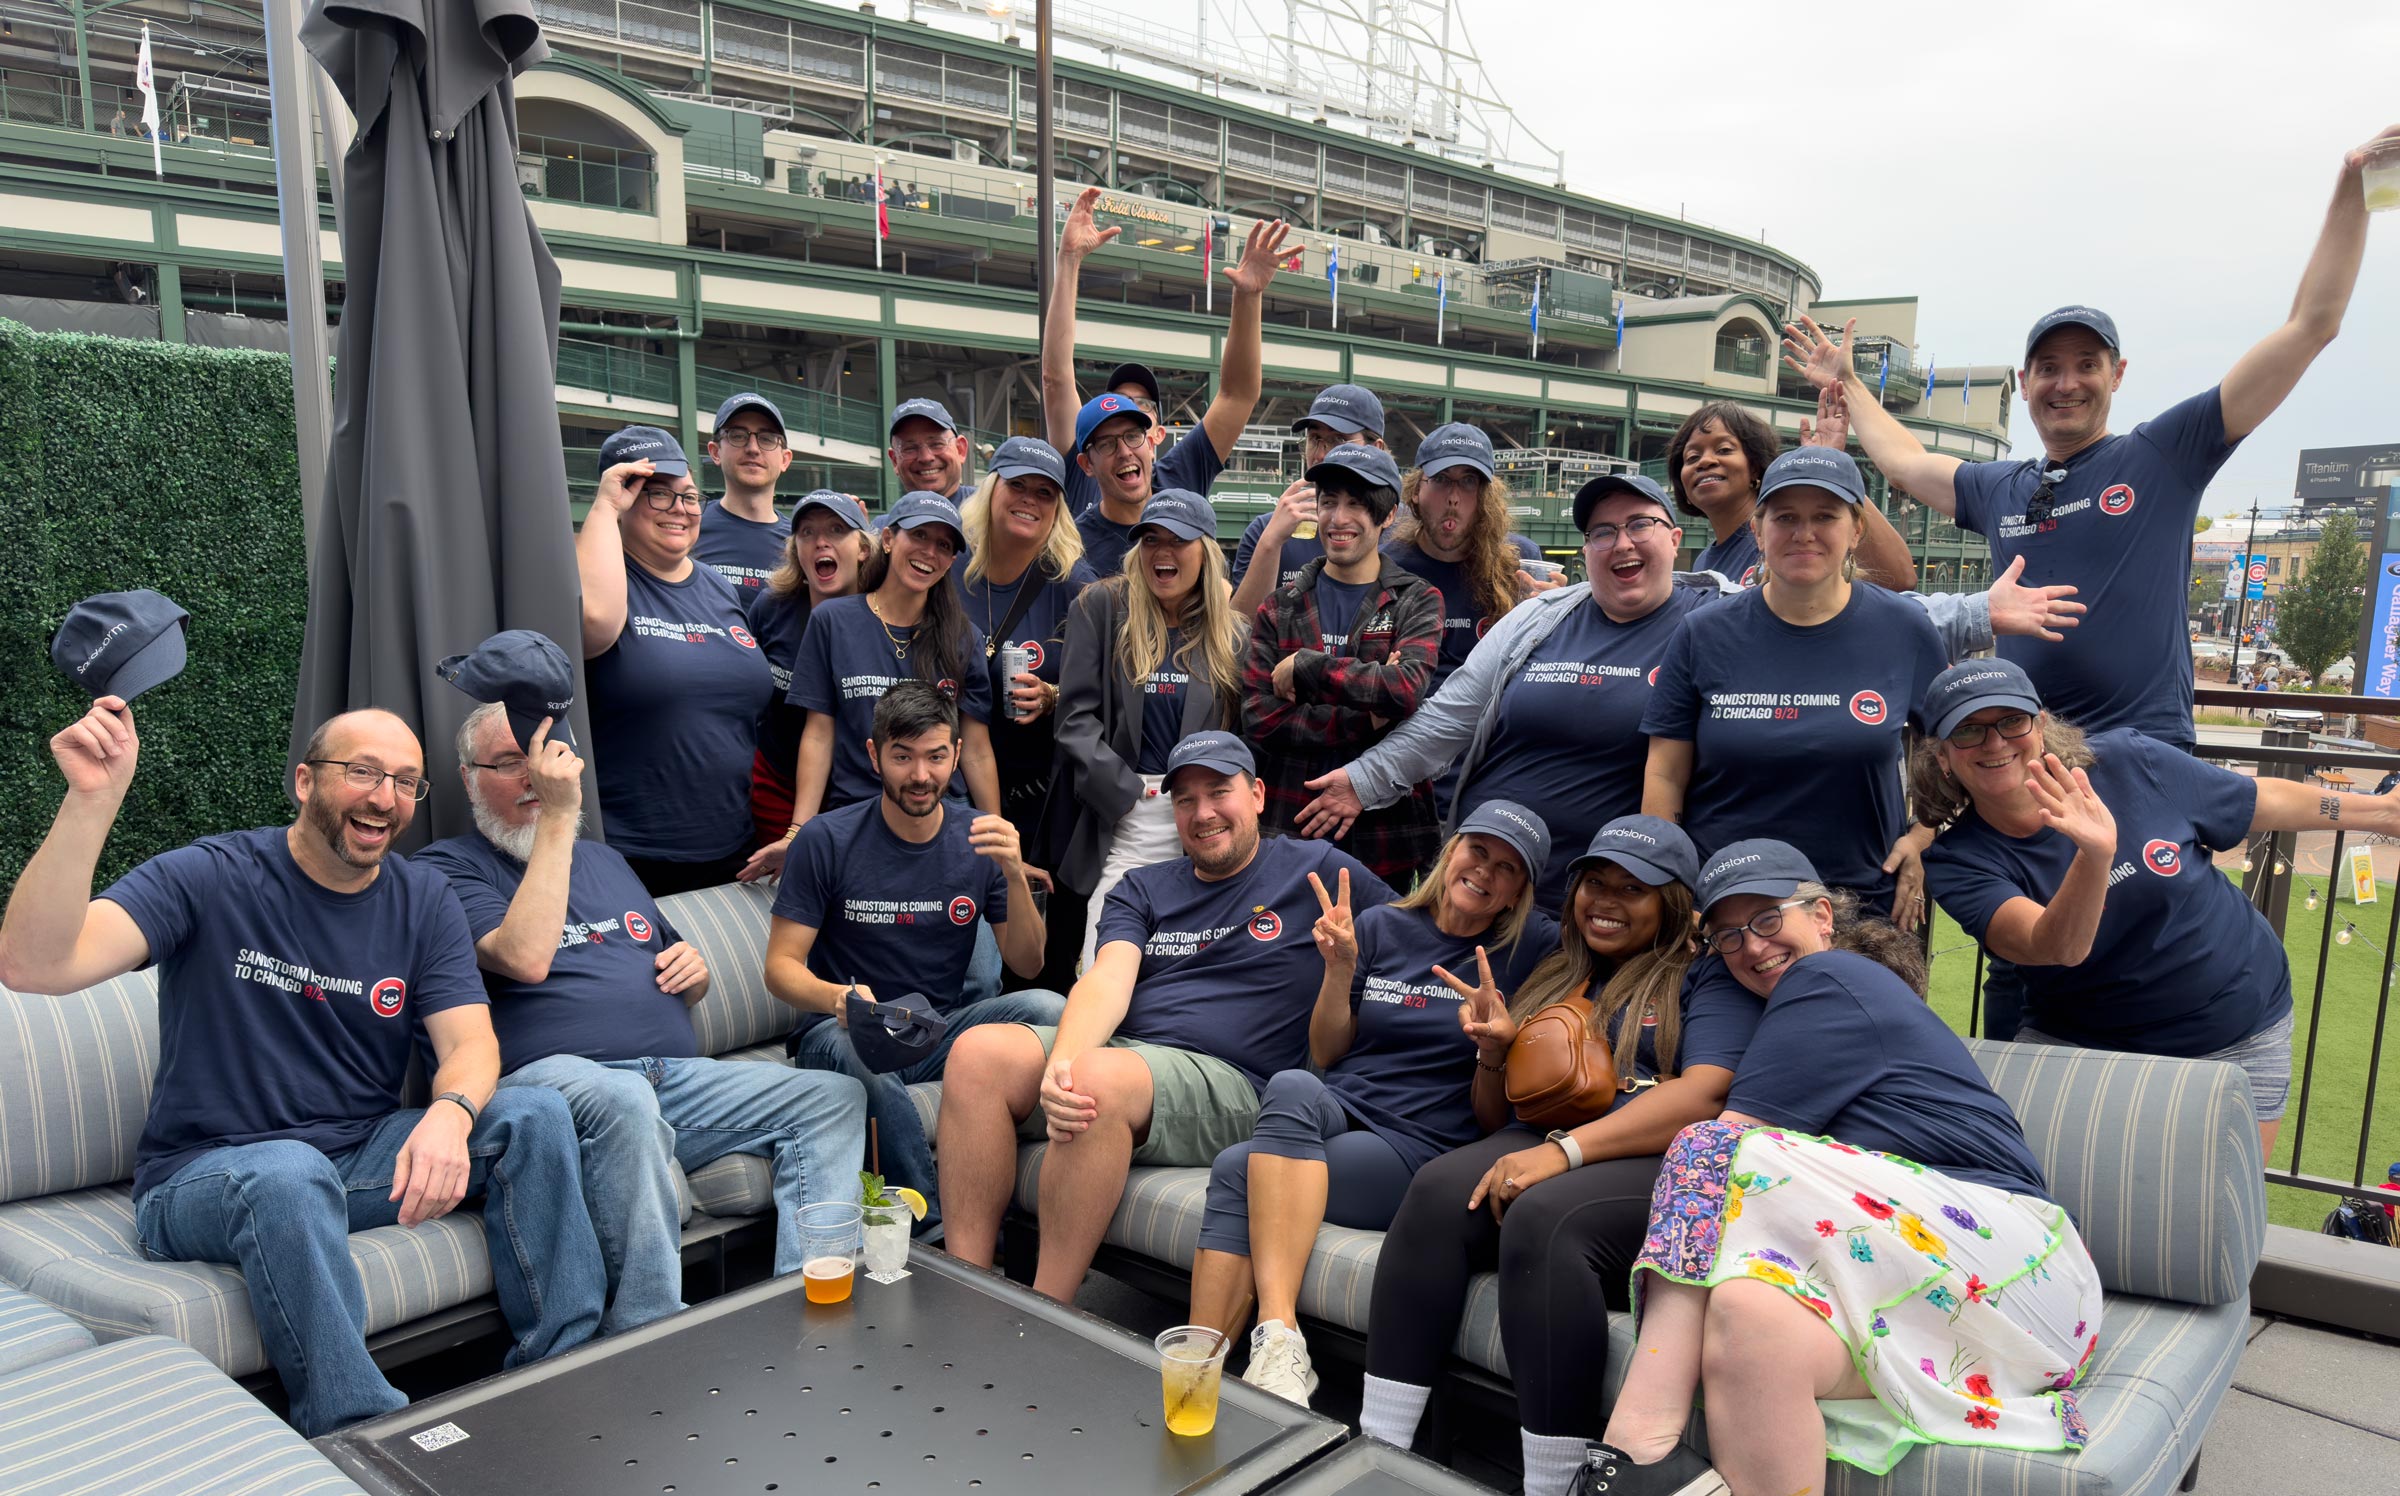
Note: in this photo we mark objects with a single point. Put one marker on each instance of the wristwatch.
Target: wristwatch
(1567, 1145)
(464, 1103)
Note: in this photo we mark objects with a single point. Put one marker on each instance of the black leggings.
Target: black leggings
(1564, 1252)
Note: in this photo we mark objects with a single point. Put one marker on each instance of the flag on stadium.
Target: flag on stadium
(1931, 379)
(883, 217)
(1533, 314)
(143, 81)
(1333, 279)
(1885, 377)
(1208, 259)
(1966, 387)
(1441, 303)
(1620, 332)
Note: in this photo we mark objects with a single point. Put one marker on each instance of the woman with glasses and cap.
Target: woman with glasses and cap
(2087, 863)
(1862, 1224)
(1561, 1216)
(1786, 705)
(675, 678)
(1151, 656)
(828, 546)
(1408, 1038)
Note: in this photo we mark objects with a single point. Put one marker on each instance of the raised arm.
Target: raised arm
(2261, 378)
(55, 937)
(1238, 380)
(1333, 1023)
(1077, 238)
(600, 556)
(1883, 556)
(2291, 805)
(1926, 476)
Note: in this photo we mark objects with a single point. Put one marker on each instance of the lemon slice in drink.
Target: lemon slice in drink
(910, 1198)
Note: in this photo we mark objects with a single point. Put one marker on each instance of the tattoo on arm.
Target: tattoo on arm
(2331, 805)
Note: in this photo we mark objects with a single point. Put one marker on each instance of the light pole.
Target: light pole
(2233, 672)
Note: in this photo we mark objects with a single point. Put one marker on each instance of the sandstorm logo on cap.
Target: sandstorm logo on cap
(101, 648)
(1867, 707)
(962, 910)
(387, 997)
(1265, 923)
(1627, 833)
(2163, 858)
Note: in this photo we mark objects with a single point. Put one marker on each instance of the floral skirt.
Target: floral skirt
(1968, 1311)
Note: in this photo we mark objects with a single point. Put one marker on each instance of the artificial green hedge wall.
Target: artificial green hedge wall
(130, 464)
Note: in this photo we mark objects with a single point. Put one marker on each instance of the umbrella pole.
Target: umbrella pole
(1046, 212)
(303, 265)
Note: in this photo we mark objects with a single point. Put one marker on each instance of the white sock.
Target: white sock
(1551, 1461)
(1390, 1410)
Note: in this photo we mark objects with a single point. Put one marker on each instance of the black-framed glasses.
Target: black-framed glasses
(668, 500)
(511, 767)
(765, 441)
(1640, 527)
(1972, 734)
(2045, 497)
(369, 777)
(1126, 441)
(1765, 925)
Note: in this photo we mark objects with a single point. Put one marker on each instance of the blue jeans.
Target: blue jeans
(632, 1116)
(283, 1212)
(906, 1154)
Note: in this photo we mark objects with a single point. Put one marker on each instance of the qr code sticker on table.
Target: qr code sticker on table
(440, 1436)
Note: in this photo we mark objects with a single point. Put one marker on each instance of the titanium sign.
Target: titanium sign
(2336, 473)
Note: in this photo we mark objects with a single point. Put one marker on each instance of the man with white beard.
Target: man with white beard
(591, 990)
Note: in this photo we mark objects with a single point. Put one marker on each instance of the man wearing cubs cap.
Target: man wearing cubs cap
(928, 450)
(1203, 986)
(1113, 459)
(1278, 545)
(741, 535)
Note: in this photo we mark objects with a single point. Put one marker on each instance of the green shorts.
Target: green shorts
(1199, 1105)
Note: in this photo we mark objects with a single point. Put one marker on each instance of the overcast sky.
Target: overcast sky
(2169, 163)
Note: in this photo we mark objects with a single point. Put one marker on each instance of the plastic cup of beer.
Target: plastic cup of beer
(831, 1236)
(2381, 176)
(1191, 1367)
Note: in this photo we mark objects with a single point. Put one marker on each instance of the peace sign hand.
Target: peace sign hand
(1337, 935)
(1483, 1013)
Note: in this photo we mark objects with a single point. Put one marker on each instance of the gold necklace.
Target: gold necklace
(899, 645)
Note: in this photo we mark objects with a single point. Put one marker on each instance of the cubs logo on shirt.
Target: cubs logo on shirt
(1034, 654)
(388, 997)
(1652, 677)
(741, 635)
(962, 910)
(1265, 925)
(636, 926)
(1750, 575)
(1867, 707)
(1483, 627)
(947, 687)
(2163, 858)
(2116, 499)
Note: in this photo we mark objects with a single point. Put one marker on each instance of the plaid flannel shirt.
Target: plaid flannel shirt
(1383, 671)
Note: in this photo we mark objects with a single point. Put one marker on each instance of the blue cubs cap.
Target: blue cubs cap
(1815, 467)
(1221, 751)
(645, 444)
(2100, 323)
(1651, 848)
(1515, 825)
(924, 507)
(121, 643)
(1023, 456)
(1773, 868)
(921, 409)
(834, 502)
(1456, 445)
(1134, 374)
(527, 674)
(1588, 497)
(1181, 513)
(1368, 471)
(746, 400)
(894, 1033)
(1971, 685)
(1347, 408)
(1106, 407)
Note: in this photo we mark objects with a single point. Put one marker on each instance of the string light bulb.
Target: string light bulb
(2312, 898)
(2281, 867)
(2342, 936)
(2245, 859)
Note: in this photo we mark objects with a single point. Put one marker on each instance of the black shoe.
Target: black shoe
(1609, 1472)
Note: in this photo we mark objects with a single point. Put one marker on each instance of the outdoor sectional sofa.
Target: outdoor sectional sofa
(2157, 1160)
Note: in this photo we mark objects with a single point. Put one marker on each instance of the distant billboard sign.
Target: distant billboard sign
(2330, 473)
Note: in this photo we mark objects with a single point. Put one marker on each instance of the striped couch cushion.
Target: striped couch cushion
(32, 1332)
(149, 1415)
(75, 1076)
(77, 1251)
(2156, 1159)
(728, 926)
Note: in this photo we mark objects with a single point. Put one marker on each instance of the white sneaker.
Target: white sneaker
(1279, 1362)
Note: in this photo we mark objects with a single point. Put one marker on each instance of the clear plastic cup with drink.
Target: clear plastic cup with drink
(2381, 176)
(1191, 1368)
(830, 1239)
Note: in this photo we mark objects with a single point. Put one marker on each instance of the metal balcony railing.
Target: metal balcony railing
(594, 176)
(805, 411)
(613, 370)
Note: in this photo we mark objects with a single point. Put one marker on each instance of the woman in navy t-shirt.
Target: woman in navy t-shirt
(1410, 1032)
(675, 677)
(1716, 462)
(830, 543)
(1865, 1171)
(1785, 706)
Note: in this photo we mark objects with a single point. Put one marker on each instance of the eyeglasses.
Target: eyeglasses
(368, 777)
(911, 451)
(511, 767)
(667, 500)
(1639, 527)
(1458, 479)
(1970, 734)
(1146, 407)
(736, 436)
(1122, 442)
(2037, 508)
(1765, 926)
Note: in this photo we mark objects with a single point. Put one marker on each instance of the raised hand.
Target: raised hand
(97, 750)
(2355, 158)
(556, 772)
(1832, 427)
(2064, 797)
(622, 484)
(1483, 1011)
(1810, 352)
(1080, 235)
(1297, 505)
(2030, 612)
(1261, 255)
(1336, 932)
(1336, 808)
(996, 837)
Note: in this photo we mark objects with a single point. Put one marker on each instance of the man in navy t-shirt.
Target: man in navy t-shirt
(741, 535)
(889, 893)
(591, 988)
(928, 450)
(1203, 984)
(296, 964)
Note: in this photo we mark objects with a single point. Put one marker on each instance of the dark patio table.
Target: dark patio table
(948, 1380)
(1369, 1467)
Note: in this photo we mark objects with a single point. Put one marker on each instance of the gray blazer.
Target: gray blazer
(1100, 729)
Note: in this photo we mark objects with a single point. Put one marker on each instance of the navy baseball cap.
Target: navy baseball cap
(1516, 825)
(895, 1032)
(1221, 751)
(1773, 868)
(527, 674)
(1971, 685)
(1815, 467)
(1021, 456)
(1106, 407)
(1134, 374)
(121, 643)
(2100, 323)
(1651, 848)
(746, 400)
(1367, 470)
(645, 444)
(1347, 408)
(834, 502)
(1456, 445)
(921, 409)
(1588, 497)
(925, 507)
(1181, 513)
